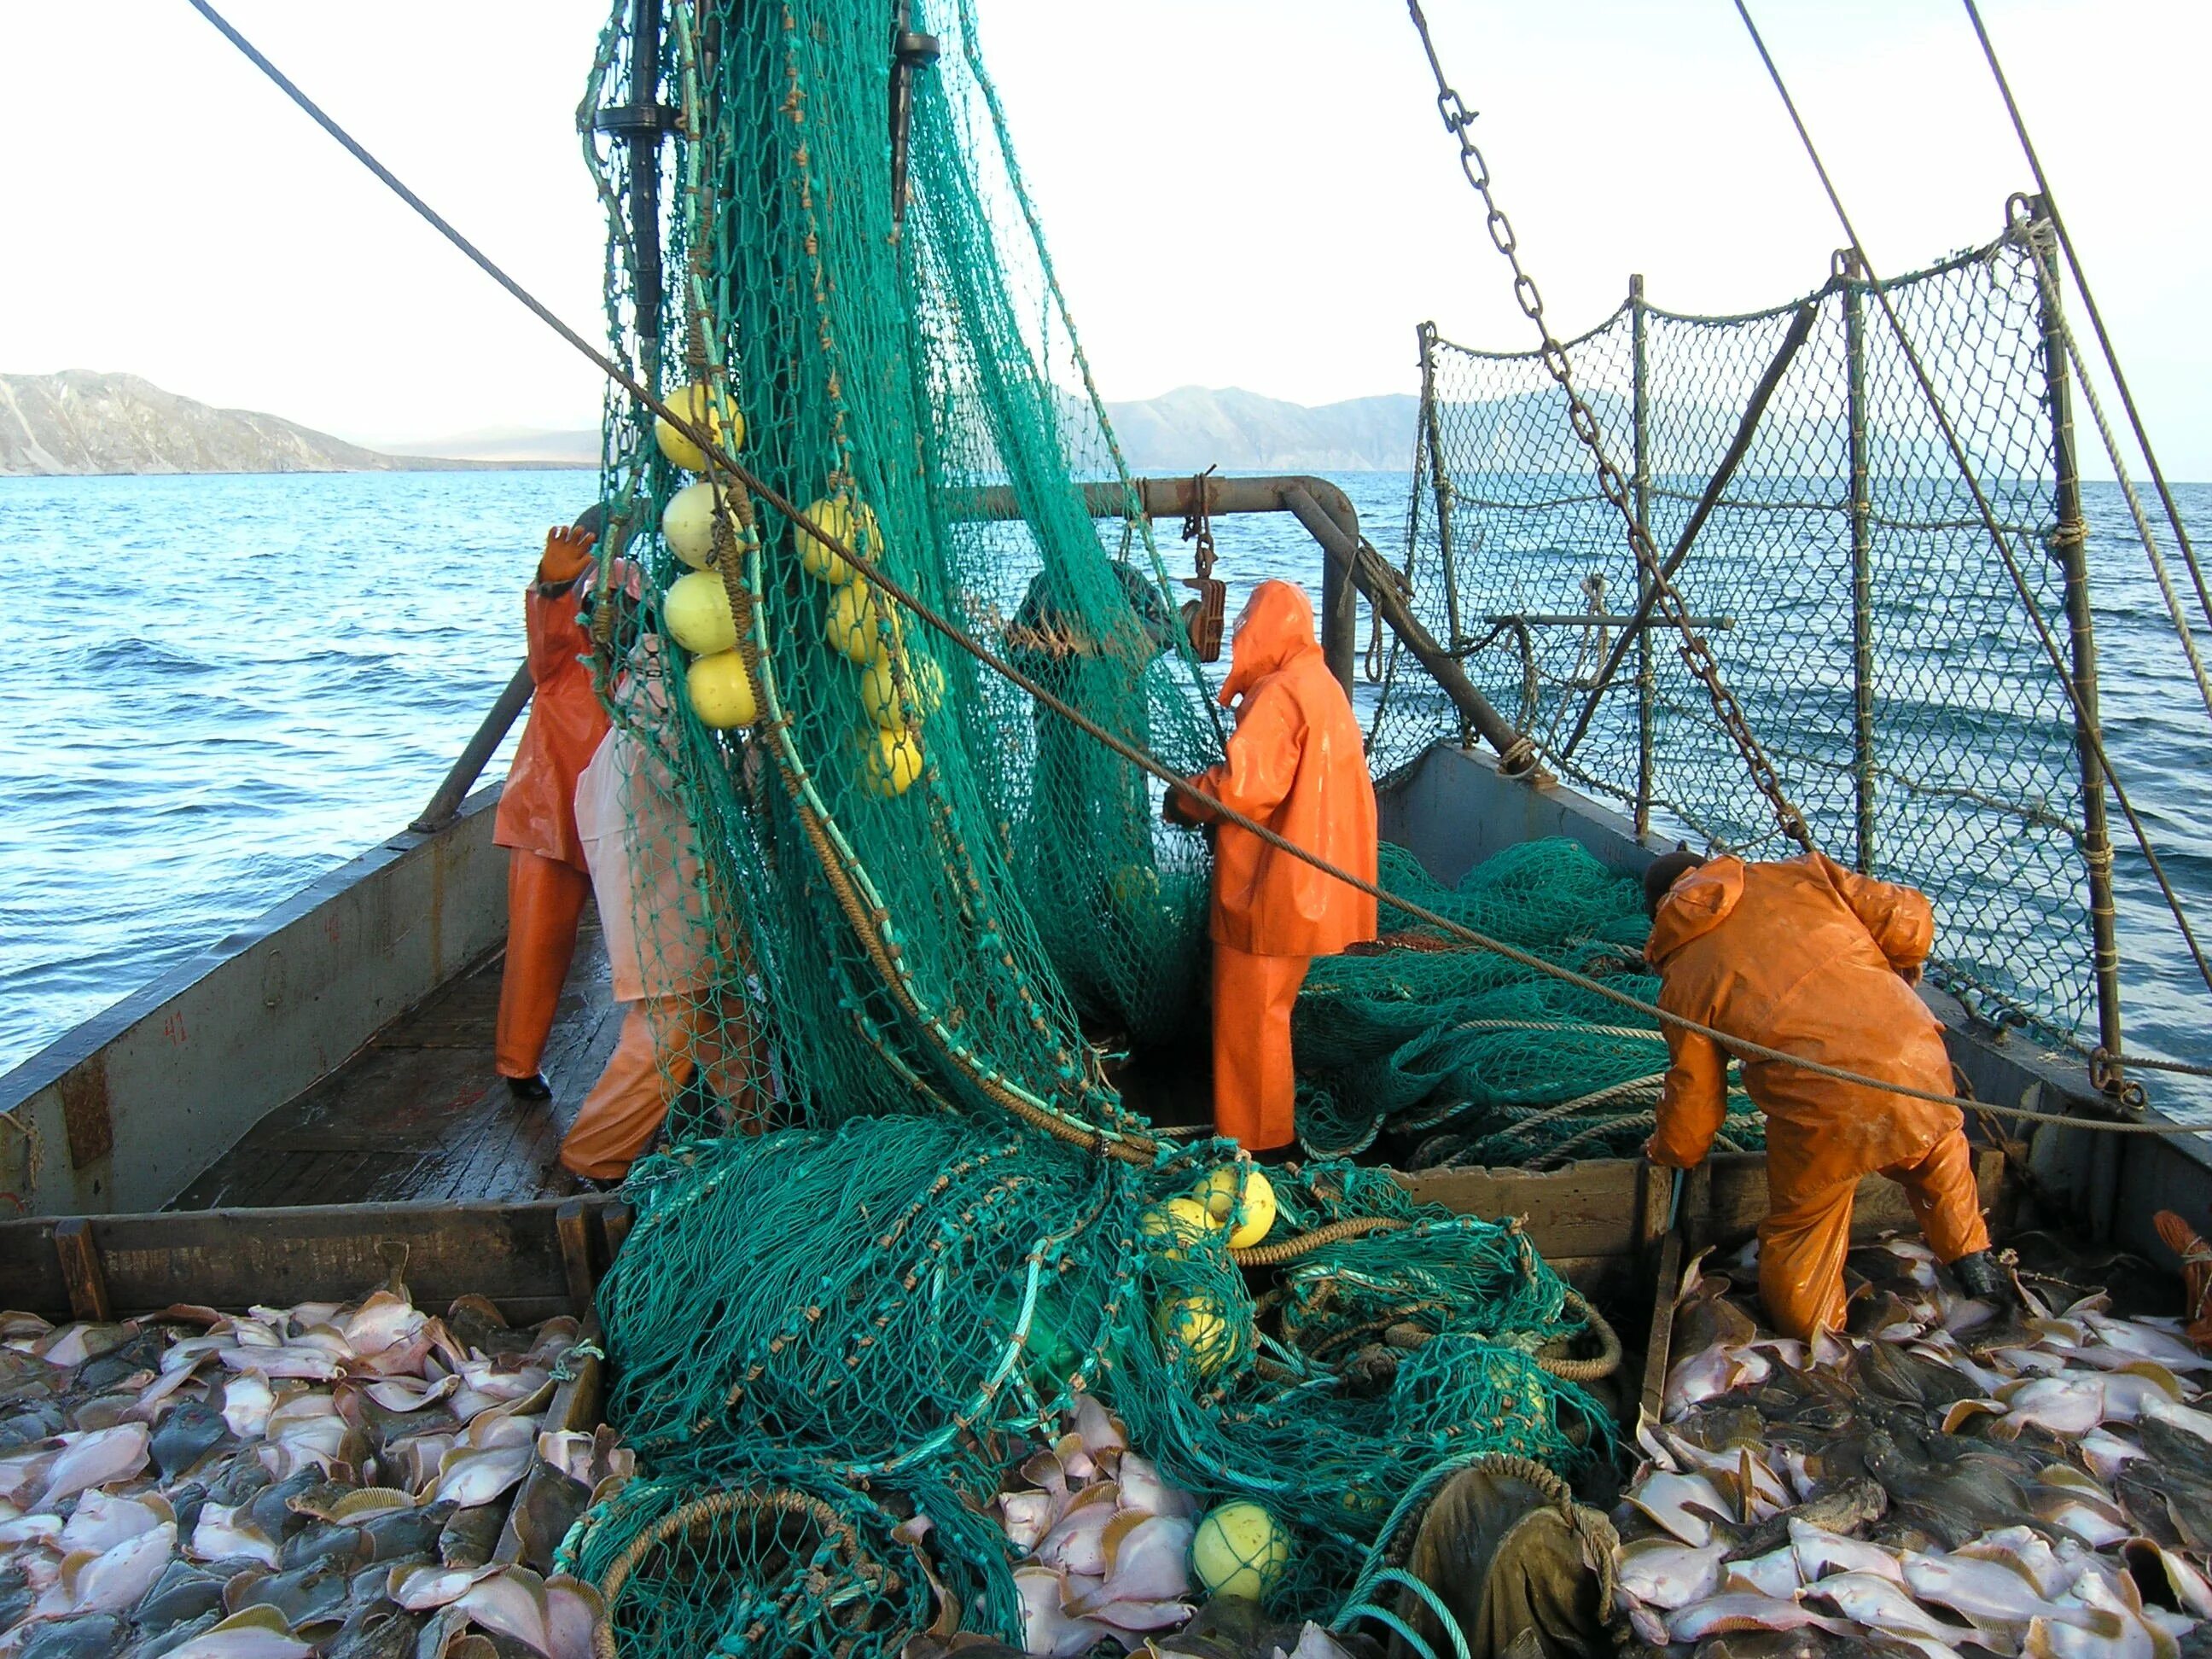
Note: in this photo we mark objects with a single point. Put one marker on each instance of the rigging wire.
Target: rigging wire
(2092, 732)
(2089, 300)
(713, 444)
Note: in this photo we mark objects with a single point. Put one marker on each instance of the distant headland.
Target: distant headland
(79, 423)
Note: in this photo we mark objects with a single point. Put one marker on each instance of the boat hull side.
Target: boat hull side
(125, 1109)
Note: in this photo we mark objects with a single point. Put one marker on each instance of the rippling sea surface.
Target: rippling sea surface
(214, 689)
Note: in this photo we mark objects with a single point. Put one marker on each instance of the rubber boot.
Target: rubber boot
(1981, 1277)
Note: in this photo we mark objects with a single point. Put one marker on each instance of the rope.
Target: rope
(1145, 762)
(2084, 717)
(2096, 315)
(713, 1507)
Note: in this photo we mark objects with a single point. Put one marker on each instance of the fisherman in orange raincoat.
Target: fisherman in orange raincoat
(547, 879)
(1813, 959)
(1295, 764)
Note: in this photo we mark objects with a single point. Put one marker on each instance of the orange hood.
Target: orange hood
(1696, 904)
(1274, 630)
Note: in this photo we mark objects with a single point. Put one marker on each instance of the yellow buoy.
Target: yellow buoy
(1218, 1192)
(1178, 1221)
(697, 613)
(854, 525)
(720, 691)
(879, 689)
(893, 762)
(852, 626)
(1198, 1325)
(706, 408)
(687, 523)
(1135, 886)
(1240, 1550)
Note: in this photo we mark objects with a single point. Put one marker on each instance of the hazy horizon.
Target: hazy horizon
(1625, 135)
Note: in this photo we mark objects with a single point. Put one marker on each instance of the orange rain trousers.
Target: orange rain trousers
(546, 879)
(1295, 764)
(665, 1042)
(1801, 1244)
(544, 900)
(1254, 1086)
(1816, 960)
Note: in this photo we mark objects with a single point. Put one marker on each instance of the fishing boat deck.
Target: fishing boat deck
(417, 1115)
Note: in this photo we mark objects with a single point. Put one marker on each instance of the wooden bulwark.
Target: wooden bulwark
(510, 1253)
(1599, 1222)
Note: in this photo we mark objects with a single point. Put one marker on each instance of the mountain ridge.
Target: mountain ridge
(83, 422)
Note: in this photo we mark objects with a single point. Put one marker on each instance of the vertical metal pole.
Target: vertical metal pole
(1852, 281)
(1440, 486)
(2070, 546)
(645, 182)
(1646, 679)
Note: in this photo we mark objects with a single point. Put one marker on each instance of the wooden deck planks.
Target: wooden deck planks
(417, 1115)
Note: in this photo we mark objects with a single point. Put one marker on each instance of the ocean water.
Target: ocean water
(215, 689)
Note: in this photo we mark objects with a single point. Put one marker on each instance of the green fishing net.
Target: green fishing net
(885, 1318)
(1468, 1058)
(897, 924)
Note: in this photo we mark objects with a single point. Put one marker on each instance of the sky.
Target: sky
(1238, 192)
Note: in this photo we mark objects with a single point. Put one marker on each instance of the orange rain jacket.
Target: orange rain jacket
(538, 812)
(1807, 957)
(1295, 764)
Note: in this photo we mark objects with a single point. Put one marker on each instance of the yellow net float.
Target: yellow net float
(852, 523)
(1182, 1221)
(879, 689)
(891, 761)
(697, 615)
(707, 408)
(854, 626)
(1240, 1551)
(1220, 1194)
(687, 523)
(720, 691)
(1198, 1325)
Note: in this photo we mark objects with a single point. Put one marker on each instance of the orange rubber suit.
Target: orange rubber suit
(1295, 764)
(1809, 958)
(547, 880)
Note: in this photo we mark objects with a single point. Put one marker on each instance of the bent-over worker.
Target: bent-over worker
(1295, 764)
(1816, 960)
(547, 882)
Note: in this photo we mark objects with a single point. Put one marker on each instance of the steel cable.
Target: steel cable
(711, 443)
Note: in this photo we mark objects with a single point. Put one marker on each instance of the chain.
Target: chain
(1198, 524)
(1696, 656)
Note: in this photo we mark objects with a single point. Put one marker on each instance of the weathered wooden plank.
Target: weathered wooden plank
(1604, 1206)
(1659, 1344)
(82, 1273)
(225, 1258)
(1587, 1209)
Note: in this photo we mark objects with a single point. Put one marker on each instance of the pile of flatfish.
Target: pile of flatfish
(362, 1480)
(1945, 1478)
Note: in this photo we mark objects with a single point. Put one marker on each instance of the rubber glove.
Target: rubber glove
(567, 551)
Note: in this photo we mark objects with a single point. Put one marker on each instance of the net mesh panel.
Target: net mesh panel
(1467, 1058)
(1965, 783)
(884, 933)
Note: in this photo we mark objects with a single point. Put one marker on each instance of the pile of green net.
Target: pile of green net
(876, 1323)
(1467, 1058)
(898, 923)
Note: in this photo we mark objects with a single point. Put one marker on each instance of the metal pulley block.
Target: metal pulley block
(1203, 616)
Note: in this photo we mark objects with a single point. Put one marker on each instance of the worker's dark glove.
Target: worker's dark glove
(1176, 809)
(1980, 1277)
(567, 553)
